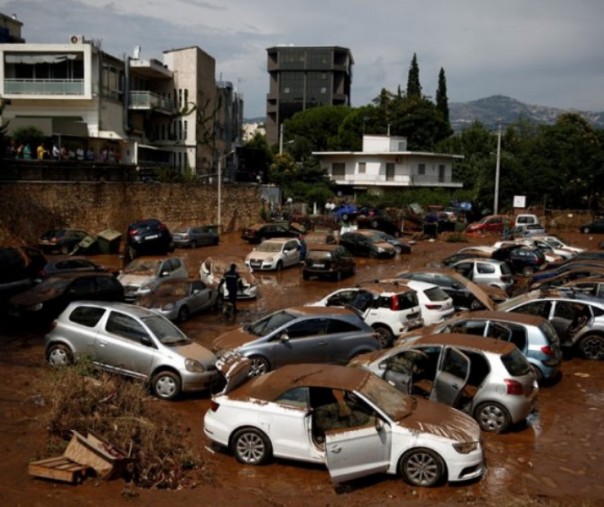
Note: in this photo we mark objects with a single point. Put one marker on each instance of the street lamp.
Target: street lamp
(219, 175)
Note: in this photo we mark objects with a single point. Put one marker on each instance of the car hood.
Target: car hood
(32, 297)
(384, 245)
(255, 254)
(134, 280)
(195, 351)
(232, 340)
(155, 300)
(442, 421)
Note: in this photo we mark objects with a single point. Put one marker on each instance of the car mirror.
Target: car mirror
(146, 341)
(456, 286)
(284, 337)
(383, 365)
(164, 273)
(379, 424)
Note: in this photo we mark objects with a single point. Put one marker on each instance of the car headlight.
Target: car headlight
(194, 366)
(465, 447)
(36, 307)
(269, 260)
(168, 306)
(380, 249)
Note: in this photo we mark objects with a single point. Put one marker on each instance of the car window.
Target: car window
(106, 283)
(166, 332)
(88, 316)
(407, 300)
(484, 268)
(541, 308)
(518, 335)
(475, 327)
(269, 323)
(515, 363)
(296, 397)
(436, 294)
(345, 297)
(306, 328)
(454, 363)
(340, 326)
(568, 310)
(82, 286)
(125, 326)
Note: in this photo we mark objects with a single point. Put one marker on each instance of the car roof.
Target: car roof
(271, 385)
(520, 318)
(330, 247)
(488, 260)
(319, 310)
(79, 274)
(138, 311)
(466, 341)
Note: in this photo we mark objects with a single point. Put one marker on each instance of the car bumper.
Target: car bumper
(216, 430)
(465, 467)
(192, 382)
(262, 266)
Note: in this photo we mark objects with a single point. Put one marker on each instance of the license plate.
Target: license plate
(318, 265)
(153, 236)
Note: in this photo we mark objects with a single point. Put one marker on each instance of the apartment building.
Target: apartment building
(385, 165)
(136, 110)
(304, 77)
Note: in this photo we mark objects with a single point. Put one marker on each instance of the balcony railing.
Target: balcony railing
(60, 87)
(150, 100)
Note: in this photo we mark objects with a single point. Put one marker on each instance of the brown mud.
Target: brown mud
(557, 458)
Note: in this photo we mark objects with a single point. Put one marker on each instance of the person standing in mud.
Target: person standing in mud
(232, 280)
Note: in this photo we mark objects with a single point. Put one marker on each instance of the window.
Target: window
(82, 286)
(421, 169)
(305, 328)
(335, 326)
(297, 397)
(88, 316)
(469, 327)
(338, 169)
(362, 167)
(125, 326)
(441, 173)
(389, 171)
(484, 269)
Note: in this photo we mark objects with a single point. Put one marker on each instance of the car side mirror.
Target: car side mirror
(383, 365)
(456, 286)
(146, 341)
(284, 337)
(379, 424)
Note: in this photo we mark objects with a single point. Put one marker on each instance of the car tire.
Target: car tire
(259, 366)
(492, 417)
(166, 385)
(251, 446)
(384, 335)
(279, 266)
(59, 354)
(591, 346)
(183, 313)
(422, 467)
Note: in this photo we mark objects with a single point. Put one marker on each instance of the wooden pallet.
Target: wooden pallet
(59, 469)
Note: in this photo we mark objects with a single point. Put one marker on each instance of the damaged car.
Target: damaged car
(348, 420)
(212, 269)
(488, 379)
(143, 274)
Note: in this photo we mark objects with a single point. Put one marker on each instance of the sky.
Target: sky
(540, 52)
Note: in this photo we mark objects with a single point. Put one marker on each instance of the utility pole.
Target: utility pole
(497, 168)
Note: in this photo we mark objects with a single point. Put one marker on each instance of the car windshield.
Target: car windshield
(269, 246)
(318, 255)
(182, 230)
(142, 264)
(396, 404)
(270, 323)
(516, 364)
(166, 332)
(52, 284)
(172, 289)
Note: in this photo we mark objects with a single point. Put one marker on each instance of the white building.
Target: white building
(386, 165)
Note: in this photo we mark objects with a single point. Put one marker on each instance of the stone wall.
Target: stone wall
(28, 209)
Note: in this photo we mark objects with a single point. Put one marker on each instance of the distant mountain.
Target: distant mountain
(498, 108)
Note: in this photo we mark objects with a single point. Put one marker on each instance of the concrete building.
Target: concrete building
(304, 77)
(385, 165)
(146, 112)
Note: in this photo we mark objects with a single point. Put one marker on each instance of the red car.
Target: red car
(491, 224)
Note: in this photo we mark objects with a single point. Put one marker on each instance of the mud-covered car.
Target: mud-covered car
(301, 334)
(364, 243)
(347, 419)
(143, 274)
(178, 299)
(194, 236)
(212, 269)
(328, 261)
(148, 237)
(489, 379)
(19, 268)
(259, 232)
(61, 240)
(274, 254)
(133, 341)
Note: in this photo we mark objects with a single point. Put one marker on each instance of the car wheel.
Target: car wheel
(528, 271)
(166, 385)
(538, 374)
(492, 417)
(422, 467)
(585, 230)
(183, 313)
(59, 355)
(279, 266)
(592, 347)
(64, 249)
(251, 446)
(259, 366)
(384, 336)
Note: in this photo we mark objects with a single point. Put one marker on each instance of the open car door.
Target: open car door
(399, 369)
(356, 452)
(451, 377)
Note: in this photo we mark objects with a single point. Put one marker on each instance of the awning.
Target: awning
(51, 126)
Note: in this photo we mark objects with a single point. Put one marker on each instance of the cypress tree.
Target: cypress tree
(414, 88)
(442, 102)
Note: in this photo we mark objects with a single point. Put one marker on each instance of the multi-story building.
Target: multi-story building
(385, 165)
(140, 111)
(304, 77)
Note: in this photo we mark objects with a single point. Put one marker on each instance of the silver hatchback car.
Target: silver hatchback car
(132, 341)
(488, 379)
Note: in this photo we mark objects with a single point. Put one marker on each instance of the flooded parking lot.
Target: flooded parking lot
(557, 456)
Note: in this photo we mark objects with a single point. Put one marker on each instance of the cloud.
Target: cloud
(544, 52)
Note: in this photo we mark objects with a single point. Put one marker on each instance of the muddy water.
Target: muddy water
(558, 454)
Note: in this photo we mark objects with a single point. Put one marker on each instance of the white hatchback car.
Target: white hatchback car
(347, 419)
(486, 271)
(274, 254)
(389, 308)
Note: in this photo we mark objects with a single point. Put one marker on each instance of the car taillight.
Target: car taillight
(513, 386)
(162, 227)
(547, 350)
(214, 406)
(433, 307)
(394, 304)
(133, 232)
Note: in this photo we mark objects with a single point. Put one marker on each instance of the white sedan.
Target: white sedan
(346, 418)
(274, 254)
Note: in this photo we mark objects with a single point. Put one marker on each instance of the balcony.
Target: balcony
(44, 87)
(149, 101)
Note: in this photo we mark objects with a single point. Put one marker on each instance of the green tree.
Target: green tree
(28, 135)
(414, 88)
(442, 101)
